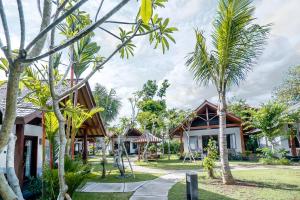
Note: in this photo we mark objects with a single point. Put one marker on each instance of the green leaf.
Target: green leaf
(146, 11)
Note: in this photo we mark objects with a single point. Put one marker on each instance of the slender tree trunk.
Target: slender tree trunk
(69, 146)
(163, 143)
(8, 123)
(226, 172)
(169, 149)
(73, 130)
(63, 188)
(10, 167)
(146, 148)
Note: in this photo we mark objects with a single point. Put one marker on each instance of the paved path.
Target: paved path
(111, 187)
(157, 189)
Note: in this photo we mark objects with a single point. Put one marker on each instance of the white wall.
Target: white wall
(200, 133)
(280, 143)
(29, 130)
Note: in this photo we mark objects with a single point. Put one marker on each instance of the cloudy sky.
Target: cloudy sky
(127, 76)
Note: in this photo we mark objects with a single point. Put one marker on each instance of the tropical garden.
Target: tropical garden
(53, 65)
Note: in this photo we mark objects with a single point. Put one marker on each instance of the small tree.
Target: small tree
(289, 90)
(212, 156)
(270, 119)
(237, 42)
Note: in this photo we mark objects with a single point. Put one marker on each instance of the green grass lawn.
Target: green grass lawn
(104, 196)
(173, 164)
(273, 184)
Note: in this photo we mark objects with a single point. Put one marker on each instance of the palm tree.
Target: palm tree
(237, 42)
(107, 100)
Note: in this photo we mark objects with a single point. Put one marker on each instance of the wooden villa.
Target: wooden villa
(29, 132)
(129, 139)
(142, 142)
(205, 126)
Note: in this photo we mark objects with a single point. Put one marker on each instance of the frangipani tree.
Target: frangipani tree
(236, 44)
(146, 22)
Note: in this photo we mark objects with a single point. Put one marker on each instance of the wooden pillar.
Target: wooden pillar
(181, 144)
(44, 139)
(19, 152)
(242, 139)
(85, 147)
(139, 150)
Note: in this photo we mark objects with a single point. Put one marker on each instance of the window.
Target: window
(194, 143)
(231, 142)
(134, 145)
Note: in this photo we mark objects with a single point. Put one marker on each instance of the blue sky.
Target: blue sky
(127, 76)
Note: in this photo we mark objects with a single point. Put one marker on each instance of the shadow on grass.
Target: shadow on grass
(278, 186)
(178, 192)
(253, 184)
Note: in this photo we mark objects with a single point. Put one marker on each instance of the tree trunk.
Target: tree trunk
(146, 147)
(169, 149)
(10, 169)
(163, 144)
(210, 173)
(8, 123)
(69, 147)
(63, 188)
(73, 129)
(225, 168)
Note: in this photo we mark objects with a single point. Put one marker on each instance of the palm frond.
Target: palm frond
(200, 62)
(238, 43)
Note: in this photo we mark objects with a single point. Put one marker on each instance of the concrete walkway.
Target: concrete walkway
(111, 187)
(157, 189)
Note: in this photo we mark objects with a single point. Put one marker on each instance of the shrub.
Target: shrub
(266, 152)
(283, 161)
(174, 147)
(75, 173)
(209, 160)
(35, 186)
(274, 161)
(282, 153)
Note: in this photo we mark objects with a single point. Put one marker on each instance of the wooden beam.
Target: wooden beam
(242, 139)
(85, 148)
(213, 126)
(19, 152)
(207, 118)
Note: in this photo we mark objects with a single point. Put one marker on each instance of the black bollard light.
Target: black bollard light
(191, 186)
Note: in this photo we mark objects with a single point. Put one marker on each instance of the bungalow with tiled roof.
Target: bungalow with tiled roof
(205, 126)
(28, 129)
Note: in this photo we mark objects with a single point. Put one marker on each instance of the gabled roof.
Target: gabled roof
(147, 137)
(214, 106)
(202, 108)
(26, 111)
(132, 132)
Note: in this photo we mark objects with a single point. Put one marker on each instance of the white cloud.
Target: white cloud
(127, 76)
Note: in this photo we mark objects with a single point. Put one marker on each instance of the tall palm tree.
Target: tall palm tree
(107, 100)
(237, 42)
